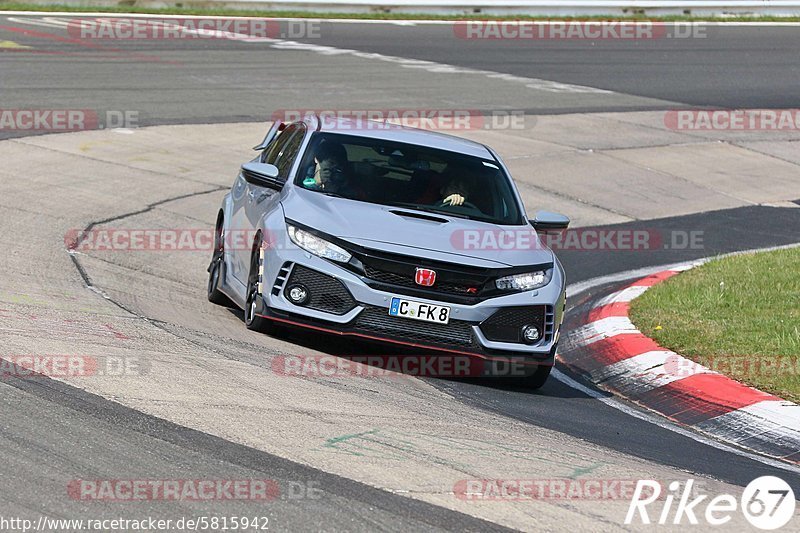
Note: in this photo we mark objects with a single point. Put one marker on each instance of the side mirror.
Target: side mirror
(262, 175)
(547, 221)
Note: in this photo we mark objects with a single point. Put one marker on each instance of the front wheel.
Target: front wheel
(538, 378)
(216, 271)
(251, 320)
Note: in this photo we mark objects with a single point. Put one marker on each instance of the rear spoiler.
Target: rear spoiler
(276, 127)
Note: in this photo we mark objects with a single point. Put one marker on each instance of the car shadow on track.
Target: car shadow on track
(551, 389)
(441, 369)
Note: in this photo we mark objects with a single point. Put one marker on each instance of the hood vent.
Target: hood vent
(422, 216)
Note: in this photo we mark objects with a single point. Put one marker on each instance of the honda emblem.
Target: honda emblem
(425, 277)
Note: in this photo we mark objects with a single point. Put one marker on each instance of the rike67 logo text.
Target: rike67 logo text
(767, 502)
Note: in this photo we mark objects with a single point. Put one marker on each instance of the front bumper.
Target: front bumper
(342, 303)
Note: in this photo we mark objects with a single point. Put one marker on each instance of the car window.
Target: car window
(283, 150)
(410, 176)
(289, 151)
(274, 148)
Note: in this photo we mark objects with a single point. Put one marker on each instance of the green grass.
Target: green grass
(20, 6)
(739, 315)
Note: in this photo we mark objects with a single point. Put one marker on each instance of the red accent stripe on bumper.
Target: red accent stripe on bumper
(392, 341)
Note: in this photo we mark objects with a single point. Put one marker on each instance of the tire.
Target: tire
(216, 270)
(251, 320)
(537, 379)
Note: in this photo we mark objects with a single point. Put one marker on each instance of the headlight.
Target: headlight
(525, 282)
(315, 245)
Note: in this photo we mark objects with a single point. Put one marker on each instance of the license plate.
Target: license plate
(439, 314)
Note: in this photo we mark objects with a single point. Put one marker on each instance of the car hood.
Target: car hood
(391, 229)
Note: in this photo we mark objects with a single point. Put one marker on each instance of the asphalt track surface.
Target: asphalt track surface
(224, 81)
(47, 425)
(719, 67)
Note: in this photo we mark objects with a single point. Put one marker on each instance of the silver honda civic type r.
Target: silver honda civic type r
(392, 234)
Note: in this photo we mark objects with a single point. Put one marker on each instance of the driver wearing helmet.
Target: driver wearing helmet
(329, 172)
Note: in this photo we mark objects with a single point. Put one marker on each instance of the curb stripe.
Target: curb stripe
(607, 348)
(754, 426)
(614, 349)
(698, 398)
(609, 310)
(650, 370)
(603, 329)
(625, 295)
(723, 390)
(653, 279)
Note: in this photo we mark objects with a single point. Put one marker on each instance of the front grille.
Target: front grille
(388, 277)
(454, 282)
(401, 280)
(505, 325)
(378, 320)
(327, 293)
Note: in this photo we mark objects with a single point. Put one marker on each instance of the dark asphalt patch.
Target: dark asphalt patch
(119, 442)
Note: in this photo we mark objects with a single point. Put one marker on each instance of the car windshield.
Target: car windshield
(408, 176)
